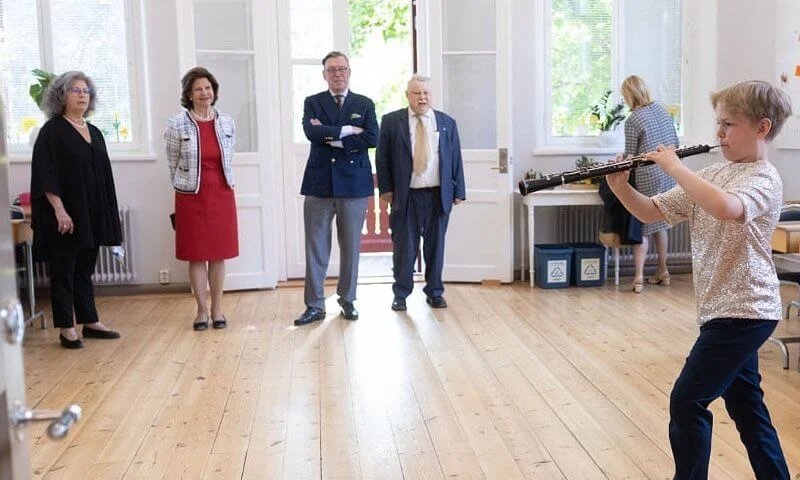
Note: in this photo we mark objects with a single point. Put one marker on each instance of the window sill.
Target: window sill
(115, 157)
(577, 150)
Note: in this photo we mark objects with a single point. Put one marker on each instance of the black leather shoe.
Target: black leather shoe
(71, 344)
(200, 325)
(310, 315)
(436, 302)
(221, 323)
(399, 304)
(349, 310)
(102, 334)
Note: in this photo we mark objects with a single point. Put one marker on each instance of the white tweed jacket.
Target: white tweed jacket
(183, 149)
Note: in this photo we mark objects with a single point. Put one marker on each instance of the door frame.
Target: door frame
(265, 43)
(14, 452)
(431, 53)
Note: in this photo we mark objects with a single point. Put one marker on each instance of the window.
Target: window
(378, 34)
(91, 36)
(592, 45)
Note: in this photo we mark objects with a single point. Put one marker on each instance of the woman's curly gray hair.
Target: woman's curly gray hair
(55, 97)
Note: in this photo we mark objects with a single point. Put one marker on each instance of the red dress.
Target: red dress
(205, 223)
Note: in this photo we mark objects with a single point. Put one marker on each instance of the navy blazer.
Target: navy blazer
(332, 171)
(394, 159)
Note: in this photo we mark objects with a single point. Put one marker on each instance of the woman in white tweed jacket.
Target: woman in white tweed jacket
(200, 143)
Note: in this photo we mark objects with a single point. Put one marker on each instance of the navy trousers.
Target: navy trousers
(424, 218)
(724, 363)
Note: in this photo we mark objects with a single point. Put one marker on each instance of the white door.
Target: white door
(308, 30)
(465, 48)
(236, 41)
(14, 451)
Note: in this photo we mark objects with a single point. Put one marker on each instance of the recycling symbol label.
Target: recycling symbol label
(590, 269)
(557, 271)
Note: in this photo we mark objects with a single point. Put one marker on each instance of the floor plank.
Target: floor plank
(508, 382)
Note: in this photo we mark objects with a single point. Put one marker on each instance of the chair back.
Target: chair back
(790, 212)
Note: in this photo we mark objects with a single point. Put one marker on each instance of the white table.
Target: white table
(556, 197)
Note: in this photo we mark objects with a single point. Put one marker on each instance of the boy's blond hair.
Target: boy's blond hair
(756, 100)
(635, 92)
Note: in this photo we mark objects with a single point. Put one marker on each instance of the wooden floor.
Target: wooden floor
(507, 383)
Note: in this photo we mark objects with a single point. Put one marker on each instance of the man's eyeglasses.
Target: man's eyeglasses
(78, 91)
(334, 70)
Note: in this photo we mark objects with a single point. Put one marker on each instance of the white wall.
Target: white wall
(747, 52)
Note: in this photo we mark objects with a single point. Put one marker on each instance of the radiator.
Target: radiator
(581, 223)
(109, 270)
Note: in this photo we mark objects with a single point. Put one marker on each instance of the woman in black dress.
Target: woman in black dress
(73, 205)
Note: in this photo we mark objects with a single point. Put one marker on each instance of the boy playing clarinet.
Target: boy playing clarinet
(732, 208)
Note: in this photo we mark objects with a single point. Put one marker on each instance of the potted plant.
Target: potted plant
(36, 91)
(607, 117)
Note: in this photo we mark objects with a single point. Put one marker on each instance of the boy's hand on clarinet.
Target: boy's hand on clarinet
(665, 158)
(618, 180)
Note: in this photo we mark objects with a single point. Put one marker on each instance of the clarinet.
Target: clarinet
(555, 179)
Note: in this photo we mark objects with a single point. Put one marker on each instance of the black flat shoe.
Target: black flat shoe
(310, 315)
(436, 302)
(399, 304)
(222, 323)
(349, 310)
(200, 325)
(71, 344)
(102, 334)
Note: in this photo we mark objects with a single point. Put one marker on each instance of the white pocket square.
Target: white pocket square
(355, 115)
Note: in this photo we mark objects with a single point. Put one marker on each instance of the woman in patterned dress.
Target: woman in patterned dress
(648, 126)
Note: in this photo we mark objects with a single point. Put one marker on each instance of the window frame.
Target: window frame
(551, 144)
(141, 147)
(341, 36)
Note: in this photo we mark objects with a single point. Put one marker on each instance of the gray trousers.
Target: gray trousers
(318, 213)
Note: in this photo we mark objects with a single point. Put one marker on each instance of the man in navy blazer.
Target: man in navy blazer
(421, 174)
(341, 126)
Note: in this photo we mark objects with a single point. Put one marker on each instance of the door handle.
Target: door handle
(502, 160)
(13, 321)
(58, 428)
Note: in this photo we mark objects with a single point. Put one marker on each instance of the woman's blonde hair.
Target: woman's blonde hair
(756, 100)
(635, 92)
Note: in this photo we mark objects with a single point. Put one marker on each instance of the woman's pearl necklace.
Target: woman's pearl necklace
(209, 116)
(77, 125)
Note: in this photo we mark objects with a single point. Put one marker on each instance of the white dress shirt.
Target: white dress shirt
(430, 177)
(346, 130)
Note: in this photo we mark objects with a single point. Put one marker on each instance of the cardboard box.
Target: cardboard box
(786, 238)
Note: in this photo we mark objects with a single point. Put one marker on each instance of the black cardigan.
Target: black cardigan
(617, 219)
(65, 164)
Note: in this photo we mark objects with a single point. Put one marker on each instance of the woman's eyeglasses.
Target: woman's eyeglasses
(78, 91)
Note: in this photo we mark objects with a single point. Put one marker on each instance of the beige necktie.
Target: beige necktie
(420, 147)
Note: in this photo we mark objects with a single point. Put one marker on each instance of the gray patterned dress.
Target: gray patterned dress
(645, 129)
